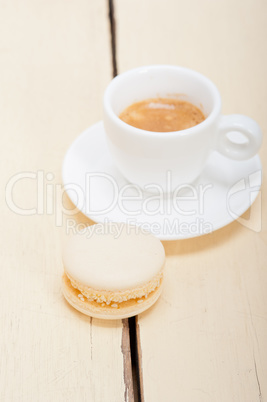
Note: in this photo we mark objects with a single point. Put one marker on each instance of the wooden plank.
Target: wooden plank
(55, 63)
(206, 338)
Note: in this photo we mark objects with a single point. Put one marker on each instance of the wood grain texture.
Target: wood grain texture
(206, 338)
(55, 63)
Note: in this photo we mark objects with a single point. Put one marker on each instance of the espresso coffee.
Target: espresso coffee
(162, 115)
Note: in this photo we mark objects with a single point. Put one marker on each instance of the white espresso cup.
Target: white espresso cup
(145, 157)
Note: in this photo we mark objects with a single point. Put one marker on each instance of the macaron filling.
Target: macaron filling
(109, 297)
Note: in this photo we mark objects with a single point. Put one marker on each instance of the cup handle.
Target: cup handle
(242, 124)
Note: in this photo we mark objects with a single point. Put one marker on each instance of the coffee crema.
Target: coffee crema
(162, 115)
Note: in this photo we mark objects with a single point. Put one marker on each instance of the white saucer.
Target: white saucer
(223, 192)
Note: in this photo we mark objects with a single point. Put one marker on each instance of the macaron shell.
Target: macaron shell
(103, 260)
(93, 309)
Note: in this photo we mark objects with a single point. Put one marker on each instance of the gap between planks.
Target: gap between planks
(131, 347)
(136, 359)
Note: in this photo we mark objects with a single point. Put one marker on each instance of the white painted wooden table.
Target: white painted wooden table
(206, 338)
